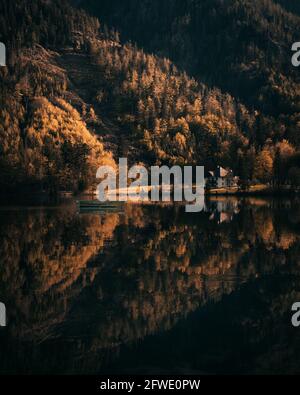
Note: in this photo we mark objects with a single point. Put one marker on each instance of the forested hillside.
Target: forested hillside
(242, 46)
(45, 143)
(206, 82)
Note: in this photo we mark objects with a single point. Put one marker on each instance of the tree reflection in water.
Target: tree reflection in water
(85, 291)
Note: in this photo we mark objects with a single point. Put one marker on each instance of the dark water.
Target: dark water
(151, 289)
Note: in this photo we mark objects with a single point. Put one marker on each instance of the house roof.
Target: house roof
(220, 172)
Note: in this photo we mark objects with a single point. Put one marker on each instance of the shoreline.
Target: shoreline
(254, 190)
(46, 198)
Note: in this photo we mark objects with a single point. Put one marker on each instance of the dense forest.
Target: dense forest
(45, 143)
(243, 47)
(169, 82)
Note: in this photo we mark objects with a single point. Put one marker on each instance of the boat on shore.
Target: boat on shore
(96, 205)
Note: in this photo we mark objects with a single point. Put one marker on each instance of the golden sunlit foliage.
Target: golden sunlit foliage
(59, 148)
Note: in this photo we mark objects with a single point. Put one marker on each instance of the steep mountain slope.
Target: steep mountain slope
(74, 92)
(82, 72)
(45, 143)
(69, 80)
(243, 47)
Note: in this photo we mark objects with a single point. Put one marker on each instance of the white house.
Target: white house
(221, 178)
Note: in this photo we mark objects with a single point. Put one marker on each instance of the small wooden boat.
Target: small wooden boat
(96, 205)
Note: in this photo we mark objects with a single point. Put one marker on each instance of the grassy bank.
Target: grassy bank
(259, 189)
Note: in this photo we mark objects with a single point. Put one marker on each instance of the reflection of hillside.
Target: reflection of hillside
(180, 268)
(113, 279)
(246, 332)
(42, 255)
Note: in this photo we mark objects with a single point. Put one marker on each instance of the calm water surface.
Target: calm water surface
(149, 289)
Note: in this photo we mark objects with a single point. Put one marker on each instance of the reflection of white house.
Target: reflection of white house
(2, 314)
(222, 209)
(221, 178)
(2, 54)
